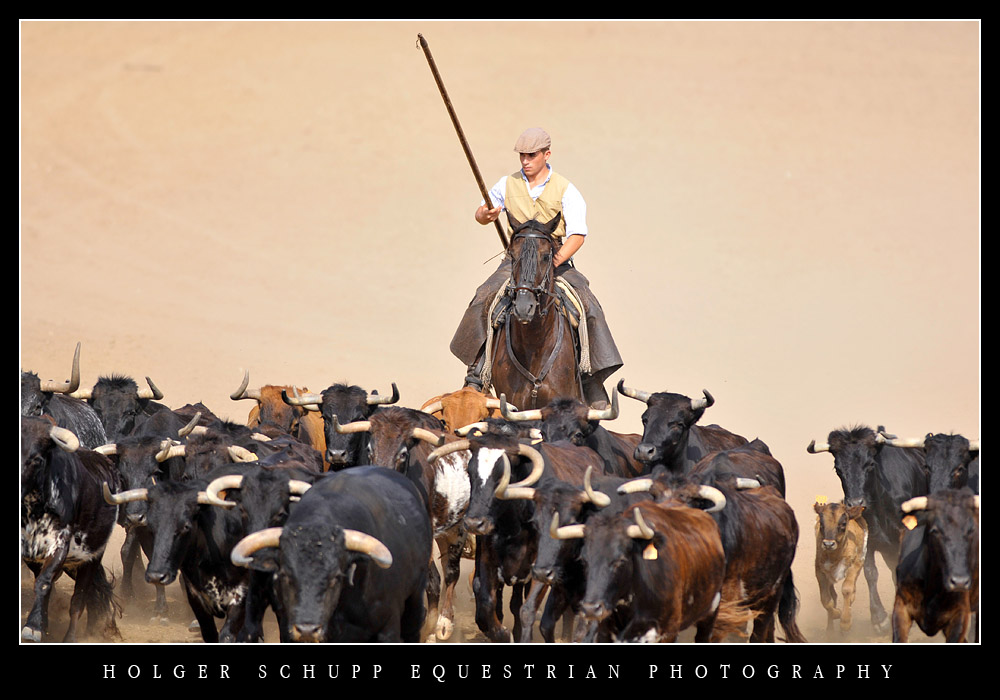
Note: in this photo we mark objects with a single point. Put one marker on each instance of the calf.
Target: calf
(937, 578)
(65, 526)
(879, 477)
(841, 546)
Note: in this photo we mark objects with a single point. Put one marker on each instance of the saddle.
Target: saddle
(568, 304)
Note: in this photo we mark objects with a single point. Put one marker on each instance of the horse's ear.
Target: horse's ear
(513, 223)
(551, 225)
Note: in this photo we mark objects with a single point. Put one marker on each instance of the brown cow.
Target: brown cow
(665, 561)
(463, 407)
(841, 546)
(271, 410)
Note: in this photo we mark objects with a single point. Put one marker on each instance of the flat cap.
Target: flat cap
(532, 140)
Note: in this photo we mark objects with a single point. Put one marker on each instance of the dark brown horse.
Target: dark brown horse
(534, 352)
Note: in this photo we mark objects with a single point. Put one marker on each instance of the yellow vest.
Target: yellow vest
(520, 205)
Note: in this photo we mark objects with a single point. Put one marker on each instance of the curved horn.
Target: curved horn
(108, 450)
(918, 503)
(242, 392)
(609, 413)
(169, 450)
(601, 500)
(566, 532)
(447, 449)
(307, 401)
(237, 453)
(65, 439)
(642, 485)
(374, 400)
(743, 483)
(537, 464)
(710, 493)
(705, 402)
(192, 424)
(242, 554)
(481, 426)
(813, 448)
(636, 394)
(512, 414)
(154, 393)
(358, 426)
(118, 499)
(230, 481)
(357, 541)
(435, 407)
(639, 531)
(428, 436)
(506, 492)
(67, 387)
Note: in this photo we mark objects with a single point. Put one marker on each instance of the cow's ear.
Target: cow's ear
(264, 560)
(855, 512)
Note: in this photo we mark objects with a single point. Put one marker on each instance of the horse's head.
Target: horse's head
(532, 249)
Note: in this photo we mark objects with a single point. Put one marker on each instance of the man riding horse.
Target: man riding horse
(538, 195)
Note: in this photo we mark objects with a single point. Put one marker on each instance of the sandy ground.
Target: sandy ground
(786, 214)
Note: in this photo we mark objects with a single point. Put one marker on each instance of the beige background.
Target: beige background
(786, 214)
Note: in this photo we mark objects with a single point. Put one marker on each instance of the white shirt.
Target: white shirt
(573, 206)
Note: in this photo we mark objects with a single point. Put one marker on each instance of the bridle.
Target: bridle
(525, 278)
(524, 272)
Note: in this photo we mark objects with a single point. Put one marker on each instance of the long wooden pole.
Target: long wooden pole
(461, 134)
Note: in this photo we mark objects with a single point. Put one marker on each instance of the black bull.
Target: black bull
(65, 525)
(352, 559)
(879, 477)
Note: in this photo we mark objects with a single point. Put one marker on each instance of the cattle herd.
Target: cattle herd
(348, 517)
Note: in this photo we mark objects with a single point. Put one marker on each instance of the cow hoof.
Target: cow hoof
(444, 628)
(30, 635)
(194, 627)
